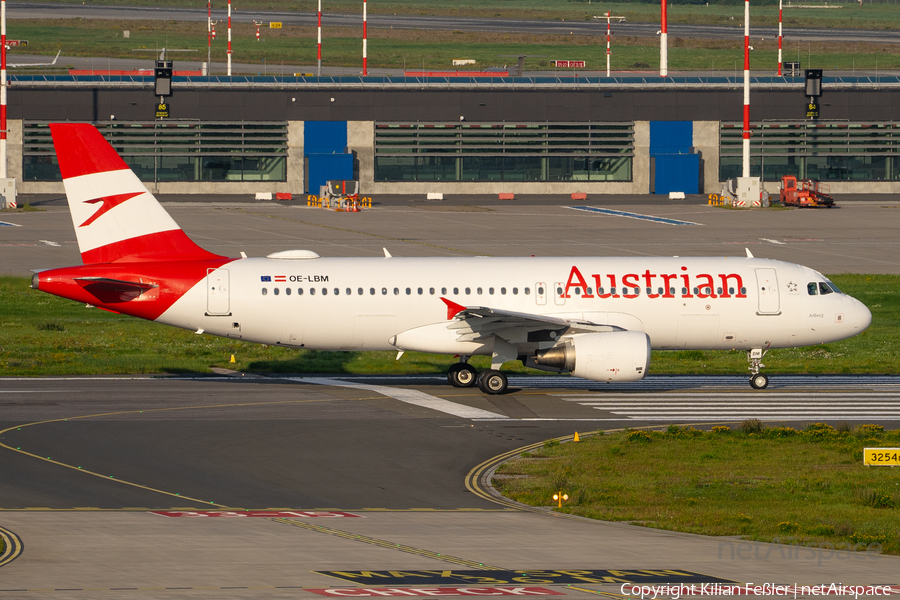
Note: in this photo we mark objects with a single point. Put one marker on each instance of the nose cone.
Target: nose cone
(859, 316)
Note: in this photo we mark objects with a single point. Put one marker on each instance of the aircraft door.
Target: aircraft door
(217, 292)
(767, 288)
(559, 295)
(540, 293)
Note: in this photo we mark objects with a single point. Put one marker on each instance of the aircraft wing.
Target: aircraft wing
(44, 64)
(475, 323)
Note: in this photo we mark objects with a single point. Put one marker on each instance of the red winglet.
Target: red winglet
(453, 308)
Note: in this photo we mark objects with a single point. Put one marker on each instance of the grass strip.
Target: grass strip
(42, 334)
(284, 49)
(852, 15)
(768, 484)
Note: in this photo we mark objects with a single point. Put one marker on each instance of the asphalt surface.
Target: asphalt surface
(857, 237)
(20, 10)
(85, 460)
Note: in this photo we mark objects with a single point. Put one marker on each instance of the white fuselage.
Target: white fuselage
(395, 303)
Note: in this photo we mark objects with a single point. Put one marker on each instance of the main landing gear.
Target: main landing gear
(489, 381)
(758, 381)
(462, 374)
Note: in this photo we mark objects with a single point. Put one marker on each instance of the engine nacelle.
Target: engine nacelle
(608, 356)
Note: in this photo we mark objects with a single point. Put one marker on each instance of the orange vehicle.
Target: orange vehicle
(806, 193)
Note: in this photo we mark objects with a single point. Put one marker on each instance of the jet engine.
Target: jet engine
(607, 356)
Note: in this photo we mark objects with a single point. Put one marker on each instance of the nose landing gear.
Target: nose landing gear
(758, 381)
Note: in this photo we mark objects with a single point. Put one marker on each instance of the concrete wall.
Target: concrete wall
(706, 142)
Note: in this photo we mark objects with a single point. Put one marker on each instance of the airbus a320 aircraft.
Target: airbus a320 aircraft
(595, 317)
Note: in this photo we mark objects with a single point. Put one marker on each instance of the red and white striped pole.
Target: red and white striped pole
(779, 36)
(208, 38)
(746, 144)
(257, 28)
(2, 89)
(607, 43)
(319, 41)
(365, 41)
(229, 38)
(214, 29)
(663, 43)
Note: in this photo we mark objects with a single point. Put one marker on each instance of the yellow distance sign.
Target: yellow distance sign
(274, 24)
(883, 457)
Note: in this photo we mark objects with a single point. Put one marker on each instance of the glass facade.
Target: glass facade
(503, 151)
(824, 151)
(163, 151)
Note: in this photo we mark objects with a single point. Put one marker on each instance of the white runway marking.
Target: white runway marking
(410, 397)
(707, 406)
(49, 243)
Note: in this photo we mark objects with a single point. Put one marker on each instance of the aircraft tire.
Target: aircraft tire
(462, 375)
(491, 381)
(759, 381)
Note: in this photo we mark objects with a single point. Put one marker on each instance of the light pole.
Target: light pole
(663, 43)
(746, 132)
(319, 41)
(229, 38)
(365, 40)
(608, 51)
(779, 36)
(559, 497)
(2, 90)
(208, 38)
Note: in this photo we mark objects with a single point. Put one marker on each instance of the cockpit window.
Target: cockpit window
(834, 287)
(824, 289)
(812, 288)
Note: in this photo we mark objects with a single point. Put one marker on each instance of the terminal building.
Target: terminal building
(531, 136)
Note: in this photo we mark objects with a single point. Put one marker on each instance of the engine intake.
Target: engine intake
(608, 356)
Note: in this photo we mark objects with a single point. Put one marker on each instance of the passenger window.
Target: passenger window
(599, 290)
(812, 289)
(384, 291)
(420, 291)
(456, 291)
(312, 291)
(515, 291)
(540, 290)
(468, 291)
(360, 291)
(287, 291)
(823, 288)
(527, 291)
(324, 291)
(431, 291)
(408, 291)
(589, 292)
(371, 291)
(503, 291)
(265, 291)
(349, 292)
(299, 291)
(743, 291)
(612, 291)
(478, 291)
(276, 291)
(730, 291)
(577, 291)
(558, 291)
(443, 291)
(396, 291)
(491, 291)
(337, 291)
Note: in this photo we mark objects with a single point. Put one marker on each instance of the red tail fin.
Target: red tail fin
(116, 218)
